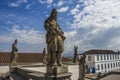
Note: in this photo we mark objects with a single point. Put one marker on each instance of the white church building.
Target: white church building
(102, 60)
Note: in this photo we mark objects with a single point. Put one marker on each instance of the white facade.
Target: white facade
(103, 62)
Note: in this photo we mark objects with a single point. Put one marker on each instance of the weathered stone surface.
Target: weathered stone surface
(44, 56)
(55, 47)
(62, 76)
(75, 59)
(57, 69)
(54, 39)
(36, 76)
(82, 67)
(14, 53)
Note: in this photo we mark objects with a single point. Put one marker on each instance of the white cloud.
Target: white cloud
(75, 10)
(29, 40)
(6, 39)
(97, 25)
(69, 36)
(96, 13)
(63, 9)
(46, 1)
(60, 3)
(9, 22)
(13, 5)
(71, 33)
(29, 5)
(17, 3)
(93, 38)
(27, 36)
(114, 43)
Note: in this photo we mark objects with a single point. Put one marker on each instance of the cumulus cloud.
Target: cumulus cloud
(30, 36)
(95, 24)
(17, 3)
(60, 3)
(29, 5)
(13, 5)
(25, 35)
(75, 10)
(69, 36)
(63, 9)
(46, 1)
(6, 39)
(96, 13)
(29, 40)
(93, 38)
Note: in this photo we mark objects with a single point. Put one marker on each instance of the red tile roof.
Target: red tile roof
(25, 57)
(97, 51)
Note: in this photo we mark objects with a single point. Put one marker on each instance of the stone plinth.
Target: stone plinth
(57, 73)
(60, 76)
(12, 68)
(36, 76)
(57, 69)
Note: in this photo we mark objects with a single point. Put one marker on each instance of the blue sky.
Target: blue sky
(88, 24)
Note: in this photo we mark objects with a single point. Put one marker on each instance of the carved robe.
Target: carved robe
(54, 39)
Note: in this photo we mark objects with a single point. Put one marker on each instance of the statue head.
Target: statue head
(15, 40)
(75, 47)
(44, 51)
(54, 13)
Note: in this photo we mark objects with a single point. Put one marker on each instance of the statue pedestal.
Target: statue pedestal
(57, 73)
(44, 61)
(57, 69)
(14, 63)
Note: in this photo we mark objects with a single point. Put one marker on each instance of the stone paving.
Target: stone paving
(40, 69)
(72, 68)
(4, 69)
(112, 77)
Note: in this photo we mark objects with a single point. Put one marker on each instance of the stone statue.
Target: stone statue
(82, 67)
(75, 54)
(54, 39)
(14, 52)
(44, 56)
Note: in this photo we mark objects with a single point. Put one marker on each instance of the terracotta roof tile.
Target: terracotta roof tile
(97, 51)
(25, 57)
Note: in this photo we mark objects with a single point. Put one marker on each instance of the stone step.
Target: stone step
(16, 76)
